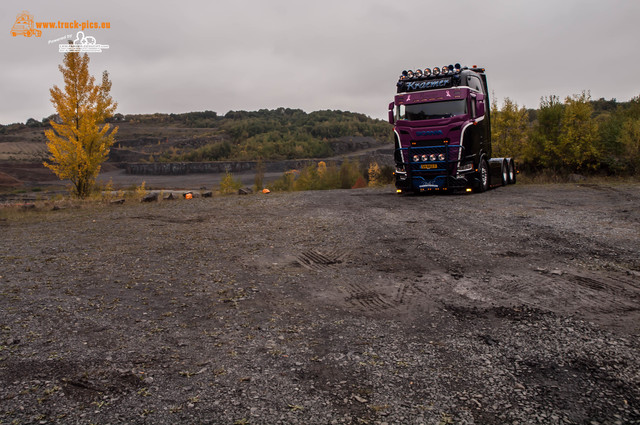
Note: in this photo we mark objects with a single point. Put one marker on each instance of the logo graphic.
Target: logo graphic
(24, 25)
(82, 44)
(448, 94)
(429, 133)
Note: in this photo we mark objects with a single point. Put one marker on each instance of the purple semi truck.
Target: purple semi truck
(442, 132)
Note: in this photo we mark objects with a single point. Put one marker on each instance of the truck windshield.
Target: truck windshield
(432, 110)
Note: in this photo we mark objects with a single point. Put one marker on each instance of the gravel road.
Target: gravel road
(517, 306)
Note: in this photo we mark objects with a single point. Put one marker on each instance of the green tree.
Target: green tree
(349, 173)
(81, 142)
(630, 138)
(540, 149)
(509, 129)
(577, 142)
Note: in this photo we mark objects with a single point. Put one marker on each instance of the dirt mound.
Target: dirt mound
(7, 181)
(27, 171)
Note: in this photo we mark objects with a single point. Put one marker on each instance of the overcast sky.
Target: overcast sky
(313, 55)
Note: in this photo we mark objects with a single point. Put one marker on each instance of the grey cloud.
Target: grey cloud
(336, 54)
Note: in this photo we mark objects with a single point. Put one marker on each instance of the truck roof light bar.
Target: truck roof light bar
(436, 71)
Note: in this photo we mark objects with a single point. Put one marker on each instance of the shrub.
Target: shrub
(229, 184)
(320, 177)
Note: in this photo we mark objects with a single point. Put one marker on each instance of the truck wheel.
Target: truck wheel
(504, 171)
(512, 172)
(483, 174)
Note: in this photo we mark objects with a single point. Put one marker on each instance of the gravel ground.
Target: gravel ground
(517, 306)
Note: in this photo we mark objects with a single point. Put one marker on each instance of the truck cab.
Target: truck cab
(442, 131)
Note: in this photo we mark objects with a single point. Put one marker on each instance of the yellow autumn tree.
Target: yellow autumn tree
(81, 142)
(375, 175)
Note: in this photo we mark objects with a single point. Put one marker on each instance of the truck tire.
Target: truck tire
(483, 175)
(504, 173)
(512, 172)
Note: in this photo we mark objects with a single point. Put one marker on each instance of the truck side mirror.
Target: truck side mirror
(479, 105)
(392, 118)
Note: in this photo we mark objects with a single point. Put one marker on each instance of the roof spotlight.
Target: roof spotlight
(445, 69)
(450, 68)
(409, 74)
(427, 72)
(436, 71)
(458, 67)
(418, 73)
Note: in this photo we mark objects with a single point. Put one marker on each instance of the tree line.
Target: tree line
(281, 133)
(574, 135)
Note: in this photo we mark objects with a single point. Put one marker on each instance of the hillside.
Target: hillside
(277, 134)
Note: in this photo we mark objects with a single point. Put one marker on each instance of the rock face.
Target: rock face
(245, 191)
(383, 156)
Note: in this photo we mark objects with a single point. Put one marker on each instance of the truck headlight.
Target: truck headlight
(432, 157)
(467, 166)
(441, 157)
(424, 158)
(416, 158)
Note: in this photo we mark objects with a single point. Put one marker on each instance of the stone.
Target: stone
(150, 197)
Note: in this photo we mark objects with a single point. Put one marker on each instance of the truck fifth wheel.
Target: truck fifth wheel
(442, 132)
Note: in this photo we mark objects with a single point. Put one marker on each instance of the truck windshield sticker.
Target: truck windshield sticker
(407, 86)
